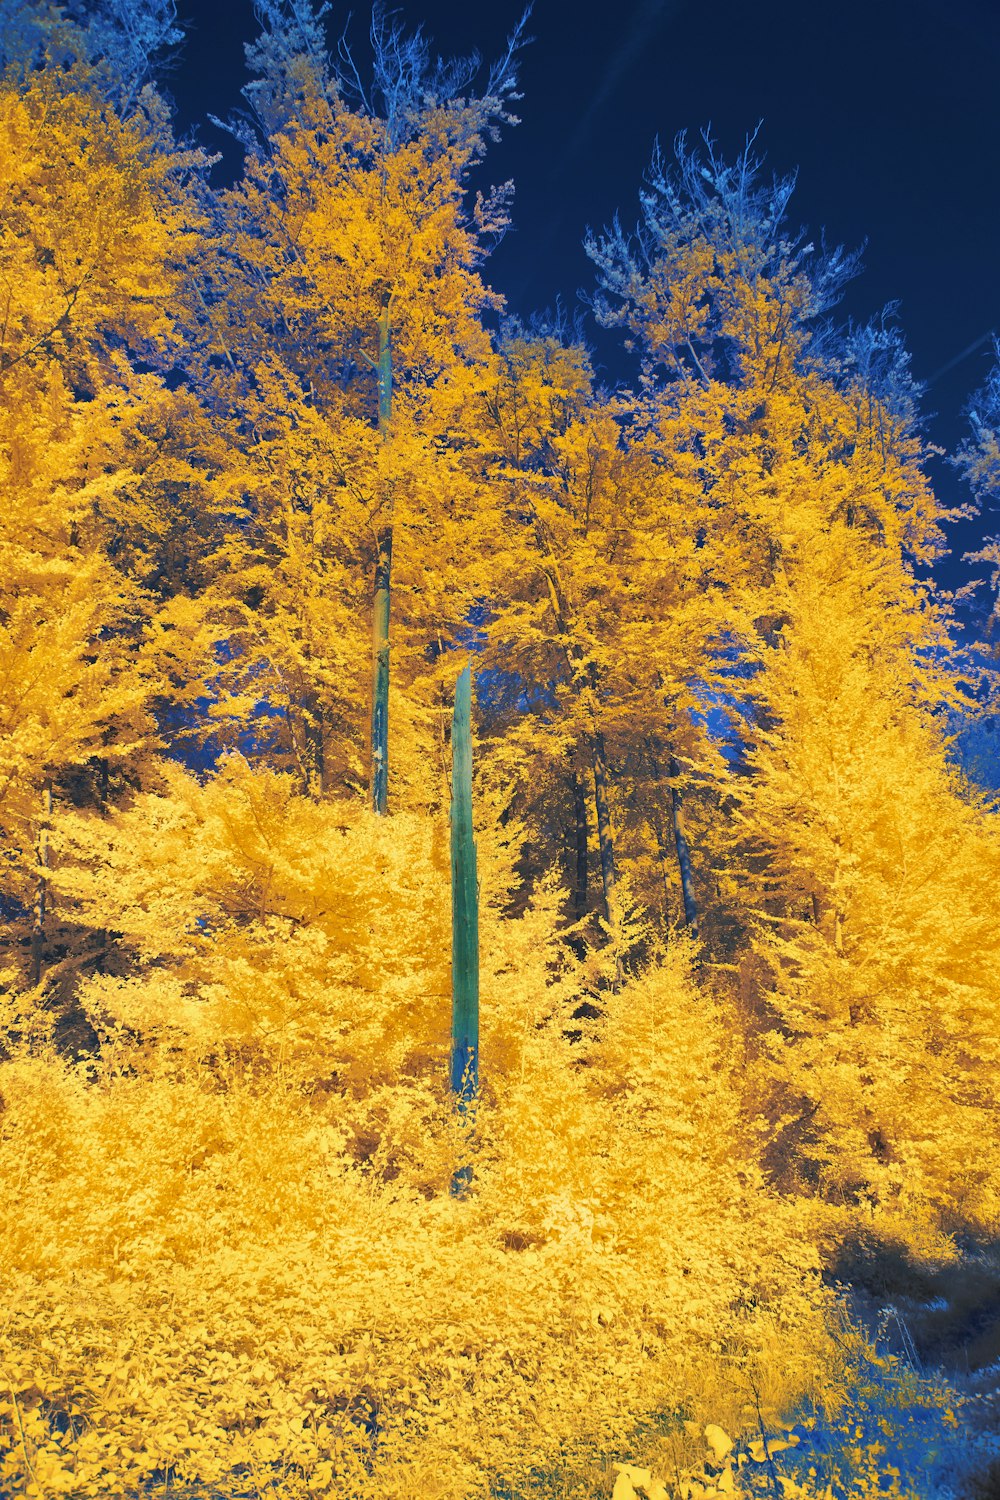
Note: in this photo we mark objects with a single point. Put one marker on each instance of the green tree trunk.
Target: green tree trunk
(383, 578)
(464, 923)
(464, 904)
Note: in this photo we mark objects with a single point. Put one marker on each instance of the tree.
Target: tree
(93, 226)
(464, 1063)
(979, 460)
(713, 286)
(118, 42)
(606, 607)
(553, 452)
(345, 302)
(872, 874)
(778, 423)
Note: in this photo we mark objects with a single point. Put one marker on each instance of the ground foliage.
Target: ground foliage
(739, 899)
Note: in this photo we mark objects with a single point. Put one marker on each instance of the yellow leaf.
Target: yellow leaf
(720, 1442)
(642, 1478)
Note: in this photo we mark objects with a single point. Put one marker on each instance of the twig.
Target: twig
(20, 1428)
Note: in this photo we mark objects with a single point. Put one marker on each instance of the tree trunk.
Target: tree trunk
(681, 847)
(464, 904)
(605, 837)
(655, 822)
(41, 888)
(315, 750)
(599, 764)
(683, 852)
(464, 1077)
(581, 846)
(381, 594)
(380, 674)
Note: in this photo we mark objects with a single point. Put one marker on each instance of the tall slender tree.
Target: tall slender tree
(464, 903)
(347, 302)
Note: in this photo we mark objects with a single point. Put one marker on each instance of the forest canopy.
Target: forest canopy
(276, 465)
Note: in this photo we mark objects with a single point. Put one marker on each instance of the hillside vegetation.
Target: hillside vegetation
(721, 1216)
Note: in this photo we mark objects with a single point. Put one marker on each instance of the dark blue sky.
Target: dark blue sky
(890, 109)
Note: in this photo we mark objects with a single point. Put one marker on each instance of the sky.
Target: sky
(888, 109)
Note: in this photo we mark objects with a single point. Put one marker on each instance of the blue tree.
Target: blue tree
(713, 276)
(126, 42)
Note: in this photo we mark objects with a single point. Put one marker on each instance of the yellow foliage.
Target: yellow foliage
(229, 1274)
(241, 1254)
(237, 1226)
(881, 938)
